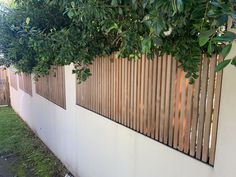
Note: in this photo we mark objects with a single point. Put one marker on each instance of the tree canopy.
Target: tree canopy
(38, 34)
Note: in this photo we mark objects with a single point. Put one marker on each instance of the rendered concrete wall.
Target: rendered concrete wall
(93, 146)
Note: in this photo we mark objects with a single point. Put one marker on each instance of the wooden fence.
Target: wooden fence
(13, 79)
(154, 98)
(4, 88)
(3, 73)
(52, 86)
(25, 83)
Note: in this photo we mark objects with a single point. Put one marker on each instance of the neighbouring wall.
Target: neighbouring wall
(93, 146)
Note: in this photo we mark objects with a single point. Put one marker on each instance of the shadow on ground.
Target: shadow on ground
(10, 165)
(7, 163)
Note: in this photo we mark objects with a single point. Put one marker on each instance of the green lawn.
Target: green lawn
(33, 158)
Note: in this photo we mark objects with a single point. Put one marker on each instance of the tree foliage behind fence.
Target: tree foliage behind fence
(36, 35)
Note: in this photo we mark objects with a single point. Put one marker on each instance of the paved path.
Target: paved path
(6, 164)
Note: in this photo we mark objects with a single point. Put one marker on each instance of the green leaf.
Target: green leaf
(208, 33)
(157, 26)
(234, 61)
(180, 5)
(134, 4)
(217, 4)
(233, 15)
(174, 7)
(145, 4)
(114, 26)
(72, 4)
(21, 41)
(227, 37)
(188, 75)
(146, 17)
(230, 35)
(151, 1)
(146, 45)
(120, 11)
(114, 3)
(203, 40)
(70, 14)
(225, 51)
(222, 65)
(221, 39)
(209, 48)
(27, 20)
(191, 81)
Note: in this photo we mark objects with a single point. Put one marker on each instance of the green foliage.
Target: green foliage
(33, 156)
(39, 34)
(222, 65)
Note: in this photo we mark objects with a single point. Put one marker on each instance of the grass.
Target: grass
(33, 156)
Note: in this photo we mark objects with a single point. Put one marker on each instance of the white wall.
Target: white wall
(93, 146)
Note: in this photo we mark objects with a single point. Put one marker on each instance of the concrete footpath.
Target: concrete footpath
(7, 163)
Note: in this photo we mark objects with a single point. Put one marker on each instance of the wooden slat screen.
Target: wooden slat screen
(25, 83)
(154, 98)
(13, 79)
(3, 73)
(4, 87)
(52, 86)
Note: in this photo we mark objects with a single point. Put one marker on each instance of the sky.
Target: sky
(7, 2)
